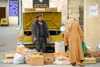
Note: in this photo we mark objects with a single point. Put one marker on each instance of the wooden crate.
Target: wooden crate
(97, 59)
(90, 60)
(9, 55)
(95, 54)
(40, 10)
(51, 9)
(29, 10)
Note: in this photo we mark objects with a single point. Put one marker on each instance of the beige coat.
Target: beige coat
(75, 42)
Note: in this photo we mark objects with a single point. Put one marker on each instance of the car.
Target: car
(53, 20)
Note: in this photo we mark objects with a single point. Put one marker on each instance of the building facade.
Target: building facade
(4, 9)
(4, 12)
(61, 6)
(92, 23)
(80, 10)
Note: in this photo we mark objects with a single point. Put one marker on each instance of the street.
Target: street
(8, 43)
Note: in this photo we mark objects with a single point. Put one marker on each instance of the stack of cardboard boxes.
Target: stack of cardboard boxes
(96, 55)
(8, 58)
(40, 10)
(91, 60)
(9, 55)
(45, 58)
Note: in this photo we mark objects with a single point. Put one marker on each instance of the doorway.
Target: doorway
(2, 12)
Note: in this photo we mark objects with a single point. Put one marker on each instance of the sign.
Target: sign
(93, 10)
(13, 7)
(41, 3)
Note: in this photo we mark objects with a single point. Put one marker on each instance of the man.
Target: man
(40, 33)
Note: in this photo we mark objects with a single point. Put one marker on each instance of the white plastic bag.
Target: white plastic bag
(98, 48)
(89, 48)
(62, 60)
(7, 61)
(18, 59)
(20, 48)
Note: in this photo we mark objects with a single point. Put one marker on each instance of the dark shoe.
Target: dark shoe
(74, 64)
(80, 64)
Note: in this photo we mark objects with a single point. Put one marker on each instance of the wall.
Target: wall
(75, 10)
(92, 26)
(13, 20)
(62, 7)
(2, 3)
(27, 4)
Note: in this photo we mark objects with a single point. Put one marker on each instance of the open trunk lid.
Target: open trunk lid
(53, 19)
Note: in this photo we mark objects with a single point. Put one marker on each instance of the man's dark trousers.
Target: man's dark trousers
(41, 44)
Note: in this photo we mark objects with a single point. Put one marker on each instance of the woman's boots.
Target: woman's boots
(80, 63)
(73, 64)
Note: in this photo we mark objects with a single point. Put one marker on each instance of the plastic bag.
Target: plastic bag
(62, 60)
(20, 48)
(28, 52)
(83, 46)
(7, 61)
(18, 59)
(98, 48)
(89, 48)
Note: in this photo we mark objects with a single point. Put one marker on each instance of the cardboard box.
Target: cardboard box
(97, 59)
(95, 54)
(40, 9)
(48, 58)
(90, 60)
(9, 55)
(59, 47)
(29, 10)
(51, 9)
(36, 61)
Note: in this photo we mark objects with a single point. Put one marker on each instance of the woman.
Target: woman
(73, 37)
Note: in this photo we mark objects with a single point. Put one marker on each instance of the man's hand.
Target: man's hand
(49, 37)
(35, 39)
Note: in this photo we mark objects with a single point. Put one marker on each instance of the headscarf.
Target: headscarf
(69, 24)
